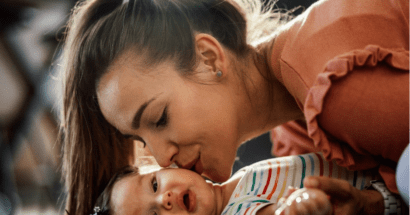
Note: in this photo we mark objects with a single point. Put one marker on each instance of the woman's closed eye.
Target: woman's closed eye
(164, 118)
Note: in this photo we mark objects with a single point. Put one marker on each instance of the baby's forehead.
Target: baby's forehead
(128, 191)
(123, 185)
(125, 194)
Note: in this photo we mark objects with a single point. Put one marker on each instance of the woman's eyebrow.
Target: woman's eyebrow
(137, 118)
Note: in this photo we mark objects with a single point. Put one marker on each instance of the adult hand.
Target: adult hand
(304, 201)
(345, 198)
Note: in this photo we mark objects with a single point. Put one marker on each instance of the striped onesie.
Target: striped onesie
(265, 182)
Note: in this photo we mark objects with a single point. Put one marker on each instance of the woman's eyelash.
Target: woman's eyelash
(154, 184)
(136, 138)
(143, 142)
(164, 118)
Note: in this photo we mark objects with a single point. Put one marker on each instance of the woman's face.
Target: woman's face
(179, 120)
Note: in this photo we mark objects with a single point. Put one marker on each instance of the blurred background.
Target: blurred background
(30, 157)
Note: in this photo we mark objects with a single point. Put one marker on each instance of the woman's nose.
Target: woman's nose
(163, 151)
(166, 200)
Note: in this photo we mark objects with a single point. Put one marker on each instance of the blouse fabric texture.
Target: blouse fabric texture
(346, 63)
(265, 182)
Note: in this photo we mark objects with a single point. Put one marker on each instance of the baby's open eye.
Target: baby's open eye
(154, 184)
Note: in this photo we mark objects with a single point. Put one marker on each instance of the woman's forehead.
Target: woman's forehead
(121, 91)
(130, 59)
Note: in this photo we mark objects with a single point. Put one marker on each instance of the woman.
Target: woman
(181, 77)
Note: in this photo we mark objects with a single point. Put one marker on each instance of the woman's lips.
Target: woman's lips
(195, 165)
(198, 167)
(187, 201)
(190, 165)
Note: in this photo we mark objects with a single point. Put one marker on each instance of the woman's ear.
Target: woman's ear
(211, 54)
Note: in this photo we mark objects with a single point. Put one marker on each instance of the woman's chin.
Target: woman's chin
(218, 176)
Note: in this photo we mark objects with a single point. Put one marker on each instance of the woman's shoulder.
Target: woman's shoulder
(330, 28)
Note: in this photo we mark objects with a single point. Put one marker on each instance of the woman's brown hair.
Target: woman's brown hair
(98, 31)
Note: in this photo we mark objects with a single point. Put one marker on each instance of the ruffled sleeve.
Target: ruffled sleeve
(346, 63)
(357, 111)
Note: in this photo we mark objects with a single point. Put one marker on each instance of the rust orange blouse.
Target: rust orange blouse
(346, 63)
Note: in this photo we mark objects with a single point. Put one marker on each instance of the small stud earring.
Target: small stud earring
(219, 74)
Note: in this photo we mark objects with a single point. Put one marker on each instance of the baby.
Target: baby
(256, 189)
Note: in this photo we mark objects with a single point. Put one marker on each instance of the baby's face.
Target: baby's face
(167, 191)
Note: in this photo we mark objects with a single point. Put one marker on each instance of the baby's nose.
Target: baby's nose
(166, 200)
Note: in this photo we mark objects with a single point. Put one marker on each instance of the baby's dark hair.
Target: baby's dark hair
(103, 205)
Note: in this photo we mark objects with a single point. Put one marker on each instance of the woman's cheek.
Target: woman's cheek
(221, 174)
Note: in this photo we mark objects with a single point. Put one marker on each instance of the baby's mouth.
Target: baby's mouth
(188, 201)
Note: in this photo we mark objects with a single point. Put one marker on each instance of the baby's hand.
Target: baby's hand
(304, 201)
